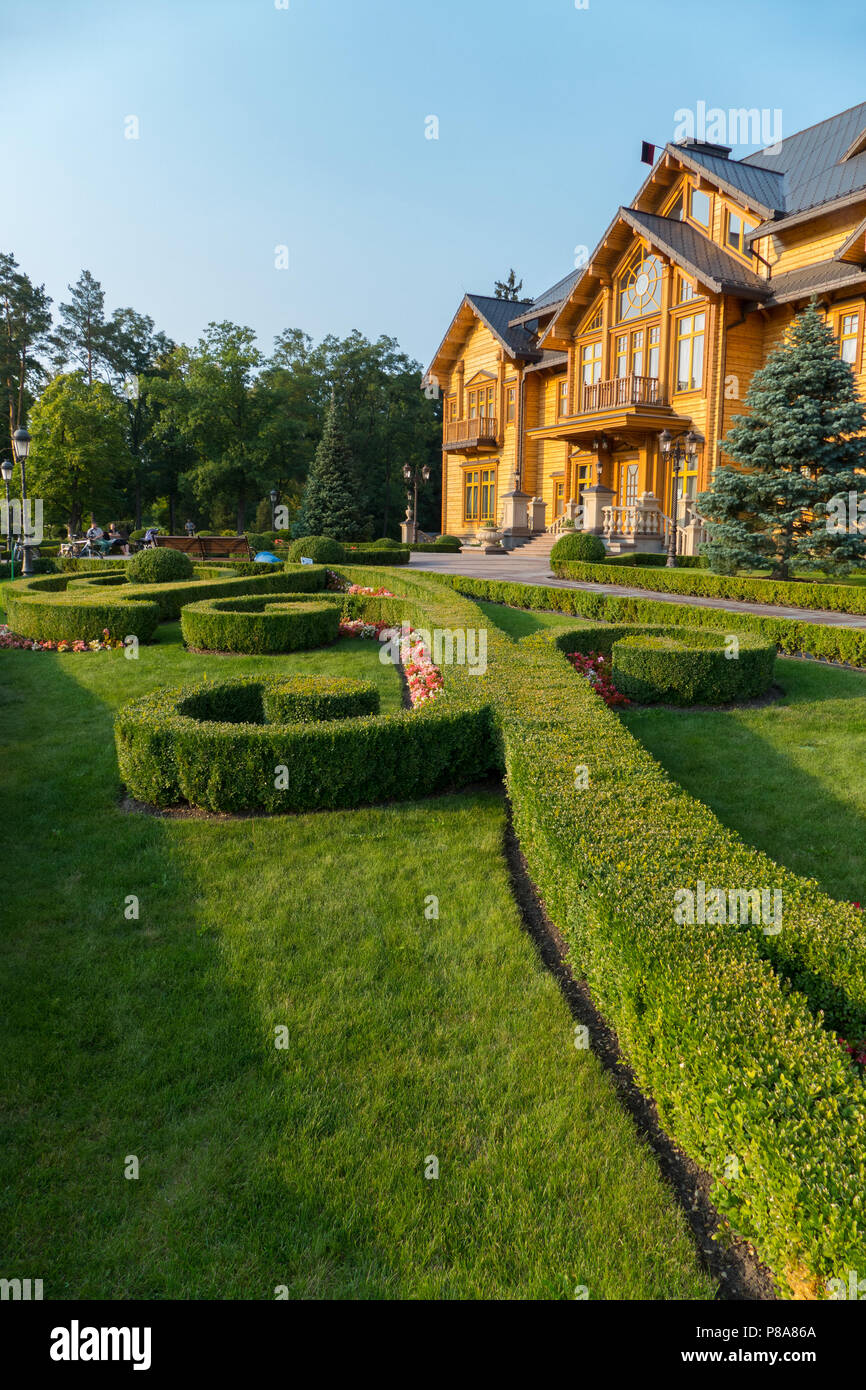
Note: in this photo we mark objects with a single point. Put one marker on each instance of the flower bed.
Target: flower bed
(596, 668)
(10, 640)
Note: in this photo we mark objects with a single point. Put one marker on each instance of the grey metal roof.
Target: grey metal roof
(812, 162)
(497, 314)
(813, 279)
(695, 252)
(762, 188)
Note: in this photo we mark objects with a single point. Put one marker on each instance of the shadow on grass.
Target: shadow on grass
(758, 771)
(123, 1036)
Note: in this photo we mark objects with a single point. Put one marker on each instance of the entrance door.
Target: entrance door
(559, 498)
(628, 484)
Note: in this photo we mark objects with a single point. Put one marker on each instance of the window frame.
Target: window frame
(690, 338)
(705, 227)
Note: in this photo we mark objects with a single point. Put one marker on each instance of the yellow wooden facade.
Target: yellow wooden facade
(663, 328)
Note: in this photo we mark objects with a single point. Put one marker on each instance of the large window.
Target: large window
(690, 352)
(849, 338)
(470, 496)
(481, 402)
(700, 208)
(686, 291)
(640, 287)
(479, 494)
(591, 363)
(655, 334)
(511, 404)
(736, 230)
(488, 494)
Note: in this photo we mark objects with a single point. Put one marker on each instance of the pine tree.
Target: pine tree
(330, 504)
(82, 334)
(793, 500)
(510, 288)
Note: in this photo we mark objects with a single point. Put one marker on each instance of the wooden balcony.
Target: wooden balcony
(619, 392)
(483, 432)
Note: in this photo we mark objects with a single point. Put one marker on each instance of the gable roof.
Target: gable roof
(818, 165)
(761, 188)
(497, 314)
(694, 252)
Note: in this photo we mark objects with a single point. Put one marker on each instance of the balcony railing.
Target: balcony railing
(621, 391)
(470, 434)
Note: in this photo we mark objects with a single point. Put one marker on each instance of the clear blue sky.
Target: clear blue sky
(305, 127)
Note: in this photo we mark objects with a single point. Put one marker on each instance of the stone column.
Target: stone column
(537, 510)
(515, 512)
(595, 498)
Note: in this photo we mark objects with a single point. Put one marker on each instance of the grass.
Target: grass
(407, 1036)
(521, 622)
(790, 776)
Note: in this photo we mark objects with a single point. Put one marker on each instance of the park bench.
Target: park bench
(208, 547)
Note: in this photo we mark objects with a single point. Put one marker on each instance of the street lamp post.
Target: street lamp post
(21, 445)
(6, 468)
(412, 475)
(275, 497)
(676, 452)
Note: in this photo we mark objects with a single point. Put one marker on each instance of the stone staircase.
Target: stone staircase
(533, 547)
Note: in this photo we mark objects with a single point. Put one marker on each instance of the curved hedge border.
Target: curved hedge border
(737, 1063)
(834, 598)
(280, 700)
(65, 607)
(826, 641)
(690, 668)
(166, 755)
(276, 623)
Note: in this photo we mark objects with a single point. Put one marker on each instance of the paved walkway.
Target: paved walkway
(528, 571)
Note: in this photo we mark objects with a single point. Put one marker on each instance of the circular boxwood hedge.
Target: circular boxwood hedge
(158, 567)
(270, 624)
(248, 745)
(579, 545)
(324, 550)
(700, 667)
(69, 606)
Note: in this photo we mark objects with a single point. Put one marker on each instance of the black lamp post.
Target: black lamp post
(6, 468)
(21, 445)
(676, 451)
(275, 497)
(412, 475)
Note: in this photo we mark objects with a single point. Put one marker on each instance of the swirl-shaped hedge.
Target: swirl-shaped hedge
(266, 624)
(248, 745)
(66, 607)
(682, 666)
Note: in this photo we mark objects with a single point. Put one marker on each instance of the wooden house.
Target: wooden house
(554, 408)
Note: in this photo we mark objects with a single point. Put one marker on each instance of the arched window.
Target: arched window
(640, 286)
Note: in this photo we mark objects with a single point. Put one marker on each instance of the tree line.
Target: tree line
(128, 425)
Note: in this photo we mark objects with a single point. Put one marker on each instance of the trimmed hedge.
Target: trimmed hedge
(65, 608)
(378, 555)
(322, 549)
(688, 668)
(166, 755)
(158, 567)
(579, 545)
(44, 610)
(795, 636)
(278, 623)
(448, 546)
(834, 598)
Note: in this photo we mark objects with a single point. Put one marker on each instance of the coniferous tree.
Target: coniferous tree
(83, 332)
(798, 453)
(510, 288)
(329, 506)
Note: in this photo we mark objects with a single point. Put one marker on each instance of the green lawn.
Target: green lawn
(521, 622)
(790, 777)
(407, 1037)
